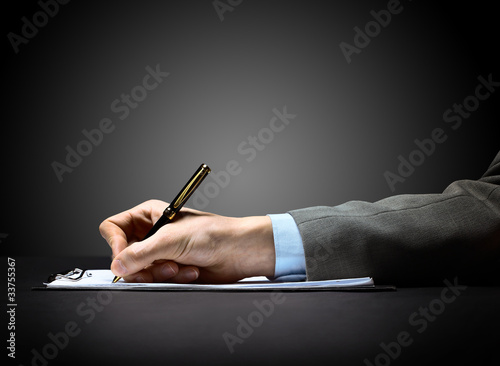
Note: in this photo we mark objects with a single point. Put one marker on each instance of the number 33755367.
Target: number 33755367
(11, 279)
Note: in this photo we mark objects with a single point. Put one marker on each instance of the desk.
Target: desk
(187, 328)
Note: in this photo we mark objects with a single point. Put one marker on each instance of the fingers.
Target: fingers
(130, 226)
(114, 236)
(186, 274)
(165, 271)
(158, 272)
(136, 257)
(166, 244)
(153, 259)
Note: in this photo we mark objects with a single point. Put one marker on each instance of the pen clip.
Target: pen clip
(187, 191)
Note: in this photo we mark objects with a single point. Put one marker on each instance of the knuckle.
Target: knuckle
(102, 227)
(153, 202)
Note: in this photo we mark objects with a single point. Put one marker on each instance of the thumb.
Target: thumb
(137, 256)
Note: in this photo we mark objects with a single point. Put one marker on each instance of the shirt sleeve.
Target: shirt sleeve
(290, 258)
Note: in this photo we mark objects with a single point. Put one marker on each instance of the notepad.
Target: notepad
(101, 279)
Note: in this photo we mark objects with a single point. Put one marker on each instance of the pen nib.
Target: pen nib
(116, 279)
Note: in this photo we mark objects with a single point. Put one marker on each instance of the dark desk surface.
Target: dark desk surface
(330, 328)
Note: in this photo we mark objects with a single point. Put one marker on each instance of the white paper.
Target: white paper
(102, 279)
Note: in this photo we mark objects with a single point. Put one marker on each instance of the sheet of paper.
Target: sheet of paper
(102, 279)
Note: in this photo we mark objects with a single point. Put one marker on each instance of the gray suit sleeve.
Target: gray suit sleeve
(405, 239)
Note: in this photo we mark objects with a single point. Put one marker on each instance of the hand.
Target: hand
(196, 246)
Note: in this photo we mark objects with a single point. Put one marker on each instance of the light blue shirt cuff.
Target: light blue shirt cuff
(290, 258)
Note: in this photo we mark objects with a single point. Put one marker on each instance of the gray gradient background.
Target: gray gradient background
(353, 120)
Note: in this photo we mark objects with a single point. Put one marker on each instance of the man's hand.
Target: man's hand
(195, 246)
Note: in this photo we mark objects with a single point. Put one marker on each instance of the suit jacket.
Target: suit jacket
(406, 239)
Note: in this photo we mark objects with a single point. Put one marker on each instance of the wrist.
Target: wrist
(253, 246)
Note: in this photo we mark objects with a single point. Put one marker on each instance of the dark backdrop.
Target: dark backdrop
(226, 75)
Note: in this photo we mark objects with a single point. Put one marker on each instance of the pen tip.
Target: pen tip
(116, 279)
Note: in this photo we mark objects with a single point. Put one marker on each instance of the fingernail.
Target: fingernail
(167, 270)
(139, 279)
(191, 275)
(121, 268)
